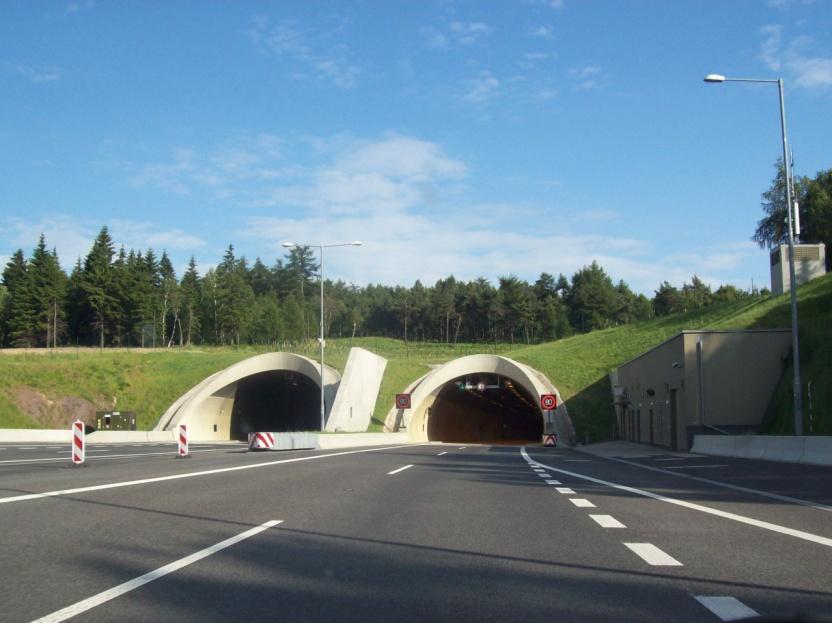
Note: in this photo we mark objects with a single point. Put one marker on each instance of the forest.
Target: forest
(134, 298)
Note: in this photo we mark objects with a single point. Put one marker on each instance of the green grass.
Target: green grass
(148, 382)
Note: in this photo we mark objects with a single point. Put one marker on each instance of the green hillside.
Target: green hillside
(38, 387)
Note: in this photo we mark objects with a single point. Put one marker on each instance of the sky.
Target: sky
(453, 138)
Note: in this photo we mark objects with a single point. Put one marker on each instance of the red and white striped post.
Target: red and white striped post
(78, 453)
(182, 452)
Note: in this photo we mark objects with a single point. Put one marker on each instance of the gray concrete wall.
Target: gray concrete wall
(740, 370)
(357, 393)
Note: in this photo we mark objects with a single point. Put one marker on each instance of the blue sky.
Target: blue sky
(465, 138)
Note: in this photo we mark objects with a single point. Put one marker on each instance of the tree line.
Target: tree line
(134, 298)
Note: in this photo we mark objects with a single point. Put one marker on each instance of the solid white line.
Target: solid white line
(553, 482)
(726, 608)
(441, 453)
(98, 458)
(565, 490)
(725, 485)
(692, 466)
(607, 521)
(806, 536)
(208, 472)
(401, 469)
(117, 591)
(652, 555)
(582, 503)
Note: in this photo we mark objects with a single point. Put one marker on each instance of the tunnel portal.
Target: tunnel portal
(487, 408)
(275, 401)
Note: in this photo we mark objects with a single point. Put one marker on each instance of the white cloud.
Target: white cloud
(37, 75)
(588, 77)
(251, 158)
(482, 88)
(455, 33)
(797, 58)
(543, 32)
(470, 32)
(332, 64)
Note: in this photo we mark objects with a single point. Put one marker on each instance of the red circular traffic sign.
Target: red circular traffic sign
(402, 401)
(548, 402)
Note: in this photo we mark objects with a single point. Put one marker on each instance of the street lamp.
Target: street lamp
(321, 247)
(798, 391)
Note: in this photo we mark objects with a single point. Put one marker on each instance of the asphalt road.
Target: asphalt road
(415, 533)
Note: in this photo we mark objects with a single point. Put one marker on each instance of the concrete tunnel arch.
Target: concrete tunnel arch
(526, 383)
(273, 391)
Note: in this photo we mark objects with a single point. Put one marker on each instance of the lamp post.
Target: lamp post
(798, 391)
(321, 247)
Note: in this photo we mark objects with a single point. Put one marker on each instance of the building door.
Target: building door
(674, 443)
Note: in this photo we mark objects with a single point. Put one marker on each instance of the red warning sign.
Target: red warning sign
(402, 401)
(550, 441)
(548, 402)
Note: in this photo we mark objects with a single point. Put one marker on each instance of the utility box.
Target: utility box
(809, 263)
(115, 420)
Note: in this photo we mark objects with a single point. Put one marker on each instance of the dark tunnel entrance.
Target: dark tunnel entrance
(484, 408)
(275, 401)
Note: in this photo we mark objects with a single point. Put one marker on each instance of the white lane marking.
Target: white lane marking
(441, 453)
(726, 608)
(607, 521)
(462, 448)
(96, 600)
(565, 490)
(678, 458)
(100, 458)
(765, 525)
(401, 469)
(553, 482)
(578, 461)
(766, 494)
(582, 503)
(544, 474)
(652, 555)
(692, 466)
(28, 448)
(208, 472)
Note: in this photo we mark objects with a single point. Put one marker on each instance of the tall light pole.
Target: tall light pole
(321, 247)
(798, 390)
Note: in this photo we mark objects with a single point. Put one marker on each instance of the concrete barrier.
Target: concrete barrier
(808, 450)
(315, 441)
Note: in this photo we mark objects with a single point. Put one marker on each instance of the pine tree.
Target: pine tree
(48, 292)
(97, 284)
(189, 303)
(17, 313)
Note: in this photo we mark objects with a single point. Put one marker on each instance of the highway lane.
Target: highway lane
(468, 534)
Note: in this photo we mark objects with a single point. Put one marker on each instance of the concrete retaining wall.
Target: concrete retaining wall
(356, 398)
(315, 441)
(809, 450)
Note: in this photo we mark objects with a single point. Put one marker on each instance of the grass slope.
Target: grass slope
(149, 381)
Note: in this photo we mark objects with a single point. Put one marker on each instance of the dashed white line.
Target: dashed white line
(462, 448)
(726, 608)
(582, 503)
(652, 555)
(544, 475)
(117, 591)
(401, 469)
(565, 490)
(553, 482)
(441, 453)
(607, 521)
(765, 525)
(692, 466)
